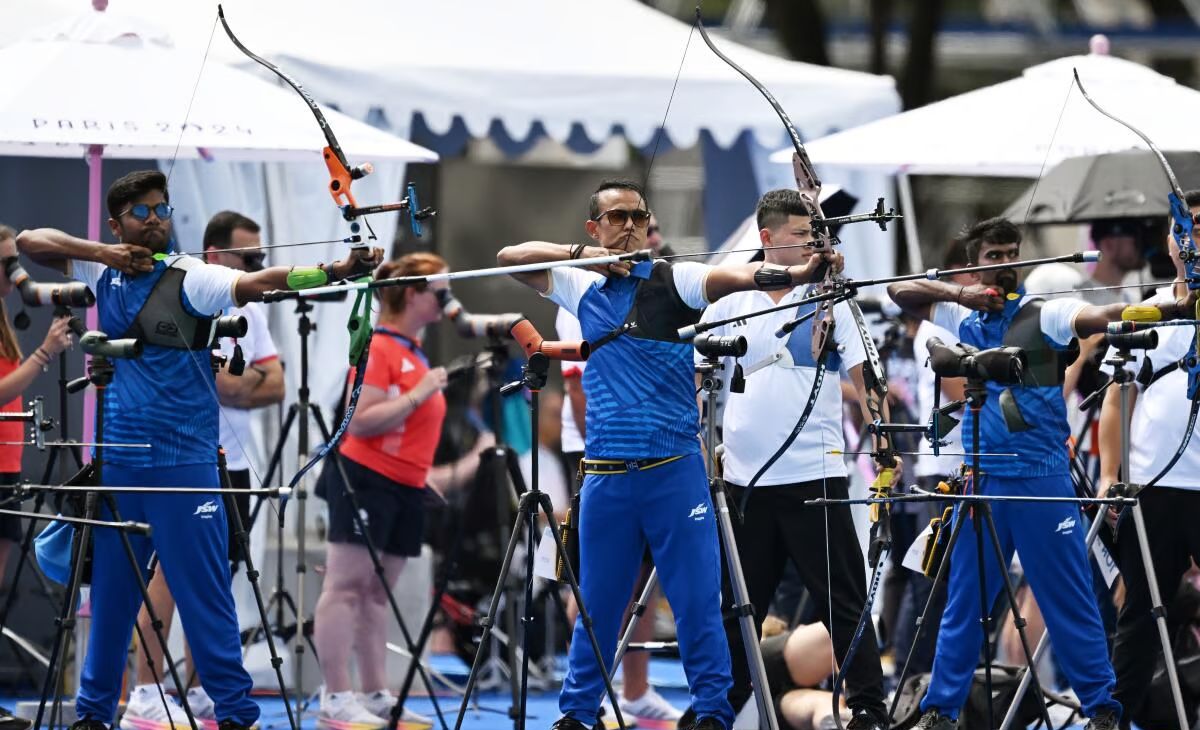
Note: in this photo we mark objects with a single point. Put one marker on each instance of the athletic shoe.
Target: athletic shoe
(650, 711)
(203, 708)
(934, 720)
(343, 711)
(708, 722)
(864, 721)
(381, 703)
(566, 722)
(88, 724)
(608, 718)
(233, 725)
(9, 721)
(1104, 720)
(147, 711)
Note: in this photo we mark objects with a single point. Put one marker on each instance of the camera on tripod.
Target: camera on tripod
(1002, 365)
(716, 346)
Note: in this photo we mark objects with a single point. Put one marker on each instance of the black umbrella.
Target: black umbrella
(1128, 184)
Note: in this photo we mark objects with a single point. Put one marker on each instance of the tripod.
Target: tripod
(1124, 380)
(100, 373)
(711, 384)
(534, 378)
(298, 414)
(980, 516)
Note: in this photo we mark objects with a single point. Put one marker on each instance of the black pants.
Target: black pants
(1174, 538)
(909, 591)
(777, 527)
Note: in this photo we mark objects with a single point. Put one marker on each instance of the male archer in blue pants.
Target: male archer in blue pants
(166, 398)
(645, 483)
(1050, 537)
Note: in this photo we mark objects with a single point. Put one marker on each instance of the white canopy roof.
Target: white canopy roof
(558, 62)
(1014, 128)
(101, 79)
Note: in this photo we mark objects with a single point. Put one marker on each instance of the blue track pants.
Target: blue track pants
(188, 532)
(668, 508)
(1049, 537)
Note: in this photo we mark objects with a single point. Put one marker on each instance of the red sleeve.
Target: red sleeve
(380, 365)
(572, 371)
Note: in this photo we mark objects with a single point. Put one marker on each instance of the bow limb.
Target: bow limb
(1182, 232)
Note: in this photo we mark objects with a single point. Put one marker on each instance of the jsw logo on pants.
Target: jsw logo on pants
(698, 512)
(1066, 527)
(206, 510)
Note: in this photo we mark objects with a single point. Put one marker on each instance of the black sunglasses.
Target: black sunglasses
(141, 211)
(619, 217)
(253, 259)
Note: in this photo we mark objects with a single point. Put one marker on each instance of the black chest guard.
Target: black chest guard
(658, 312)
(164, 321)
(1045, 365)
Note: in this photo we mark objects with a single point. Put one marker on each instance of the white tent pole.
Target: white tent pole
(912, 242)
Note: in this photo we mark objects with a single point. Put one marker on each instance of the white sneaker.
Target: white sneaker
(651, 711)
(145, 711)
(381, 702)
(343, 711)
(610, 718)
(203, 708)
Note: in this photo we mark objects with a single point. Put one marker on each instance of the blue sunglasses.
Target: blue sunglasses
(141, 211)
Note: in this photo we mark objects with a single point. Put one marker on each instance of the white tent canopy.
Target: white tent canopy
(555, 62)
(1016, 127)
(72, 75)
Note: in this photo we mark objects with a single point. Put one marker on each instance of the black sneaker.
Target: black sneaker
(686, 721)
(566, 722)
(864, 721)
(9, 721)
(934, 720)
(232, 725)
(1104, 720)
(88, 723)
(708, 722)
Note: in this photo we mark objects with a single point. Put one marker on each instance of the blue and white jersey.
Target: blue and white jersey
(641, 393)
(167, 397)
(1042, 449)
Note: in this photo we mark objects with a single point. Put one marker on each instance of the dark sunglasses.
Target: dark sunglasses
(619, 217)
(141, 211)
(253, 259)
(651, 230)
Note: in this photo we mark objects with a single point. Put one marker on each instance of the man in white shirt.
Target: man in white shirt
(1158, 420)
(776, 526)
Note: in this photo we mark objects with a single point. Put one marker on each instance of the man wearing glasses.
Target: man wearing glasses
(231, 240)
(166, 398)
(645, 483)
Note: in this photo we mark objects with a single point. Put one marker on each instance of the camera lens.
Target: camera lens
(714, 346)
(231, 326)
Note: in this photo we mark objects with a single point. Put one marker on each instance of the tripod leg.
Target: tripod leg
(243, 540)
(377, 563)
(1044, 642)
(939, 580)
(985, 610)
(1018, 620)
(155, 621)
(744, 611)
(1160, 614)
(584, 618)
(637, 610)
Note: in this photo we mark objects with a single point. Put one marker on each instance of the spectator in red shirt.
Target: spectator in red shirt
(386, 456)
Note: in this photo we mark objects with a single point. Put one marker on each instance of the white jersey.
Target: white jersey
(1161, 411)
(928, 465)
(257, 347)
(758, 421)
(567, 327)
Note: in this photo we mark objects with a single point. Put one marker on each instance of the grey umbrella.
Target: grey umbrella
(1128, 184)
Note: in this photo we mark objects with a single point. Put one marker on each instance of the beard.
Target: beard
(157, 239)
(1007, 279)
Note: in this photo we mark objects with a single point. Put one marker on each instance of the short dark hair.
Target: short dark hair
(993, 230)
(775, 206)
(219, 231)
(956, 254)
(133, 186)
(1192, 197)
(594, 202)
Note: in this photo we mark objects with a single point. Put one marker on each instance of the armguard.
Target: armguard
(306, 277)
(772, 276)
